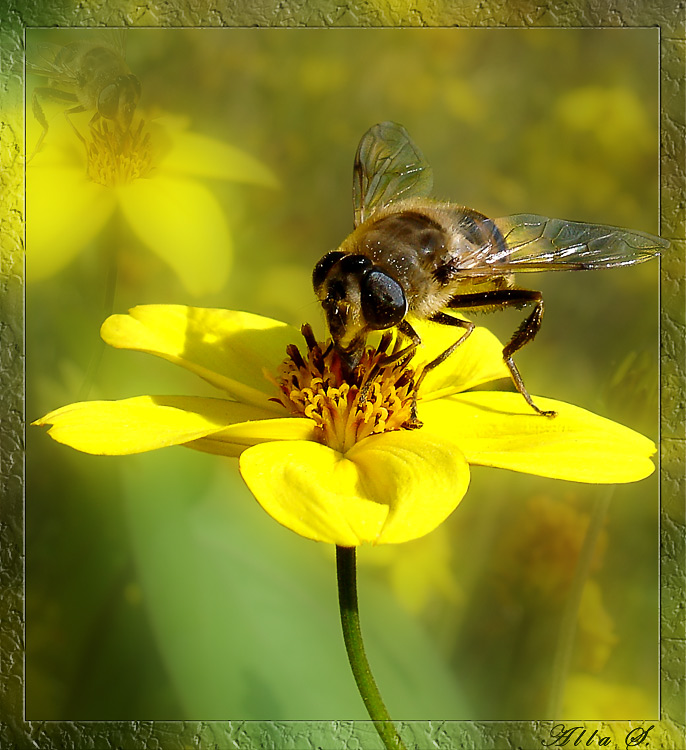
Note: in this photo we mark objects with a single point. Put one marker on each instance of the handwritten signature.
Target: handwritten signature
(561, 735)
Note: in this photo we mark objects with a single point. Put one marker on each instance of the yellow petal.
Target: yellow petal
(143, 423)
(422, 477)
(235, 439)
(181, 221)
(387, 489)
(227, 348)
(478, 360)
(196, 154)
(500, 429)
(64, 212)
(312, 490)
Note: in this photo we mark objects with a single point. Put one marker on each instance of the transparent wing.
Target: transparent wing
(116, 38)
(44, 60)
(388, 167)
(60, 61)
(535, 243)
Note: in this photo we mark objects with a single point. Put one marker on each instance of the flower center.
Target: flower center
(116, 158)
(376, 397)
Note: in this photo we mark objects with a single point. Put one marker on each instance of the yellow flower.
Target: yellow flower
(149, 174)
(344, 469)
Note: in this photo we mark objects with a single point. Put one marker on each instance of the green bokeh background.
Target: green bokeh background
(156, 587)
(76, 513)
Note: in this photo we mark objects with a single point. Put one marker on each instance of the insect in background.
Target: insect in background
(410, 255)
(88, 77)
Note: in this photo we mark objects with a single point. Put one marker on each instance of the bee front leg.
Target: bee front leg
(388, 359)
(406, 329)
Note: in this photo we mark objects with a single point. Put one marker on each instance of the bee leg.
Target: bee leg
(406, 329)
(73, 111)
(446, 320)
(405, 353)
(39, 114)
(526, 331)
(512, 297)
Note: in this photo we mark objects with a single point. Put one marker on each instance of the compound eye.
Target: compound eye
(321, 270)
(383, 300)
(108, 101)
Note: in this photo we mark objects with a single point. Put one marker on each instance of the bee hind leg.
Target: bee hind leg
(511, 297)
(526, 331)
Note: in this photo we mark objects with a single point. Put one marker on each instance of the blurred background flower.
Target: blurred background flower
(153, 588)
(150, 176)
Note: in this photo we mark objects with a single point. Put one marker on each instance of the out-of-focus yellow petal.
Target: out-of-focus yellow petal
(181, 221)
(477, 360)
(196, 154)
(227, 348)
(143, 423)
(387, 489)
(500, 429)
(64, 211)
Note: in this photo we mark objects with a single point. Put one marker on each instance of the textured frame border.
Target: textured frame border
(670, 17)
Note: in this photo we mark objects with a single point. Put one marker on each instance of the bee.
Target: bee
(409, 255)
(88, 77)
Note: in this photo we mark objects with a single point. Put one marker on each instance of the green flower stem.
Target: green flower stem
(352, 635)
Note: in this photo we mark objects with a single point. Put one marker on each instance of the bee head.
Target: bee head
(118, 100)
(357, 297)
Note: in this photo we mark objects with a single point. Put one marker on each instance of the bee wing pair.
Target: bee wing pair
(389, 167)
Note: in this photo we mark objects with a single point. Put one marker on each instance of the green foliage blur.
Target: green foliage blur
(158, 589)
